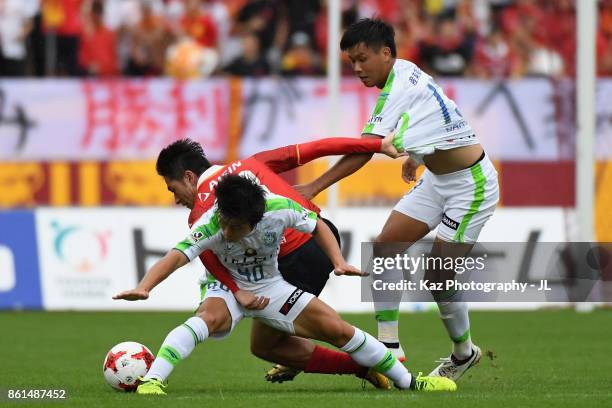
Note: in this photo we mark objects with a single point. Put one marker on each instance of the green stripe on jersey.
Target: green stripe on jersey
(278, 204)
(380, 103)
(398, 139)
(479, 182)
(207, 230)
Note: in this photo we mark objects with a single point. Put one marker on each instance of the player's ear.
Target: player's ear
(190, 177)
(386, 52)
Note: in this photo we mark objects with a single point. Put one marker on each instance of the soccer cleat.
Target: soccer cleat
(377, 380)
(451, 368)
(428, 384)
(280, 373)
(151, 386)
(396, 350)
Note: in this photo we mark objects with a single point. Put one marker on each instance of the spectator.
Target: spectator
(16, 23)
(98, 48)
(62, 23)
(449, 51)
(251, 62)
(494, 59)
(149, 40)
(301, 59)
(199, 25)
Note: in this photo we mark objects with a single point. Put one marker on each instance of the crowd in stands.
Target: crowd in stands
(194, 38)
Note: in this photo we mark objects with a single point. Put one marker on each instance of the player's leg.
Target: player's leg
(319, 321)
(413, 217)
(307, 268)
(471, 196)
(216, 316)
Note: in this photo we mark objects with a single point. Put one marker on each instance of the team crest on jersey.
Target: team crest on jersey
(250, 252)
(197, 235)
(269, 238)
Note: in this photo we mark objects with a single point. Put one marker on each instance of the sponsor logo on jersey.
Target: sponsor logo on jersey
(197, 235)
(375, 119)
(269, 238)
(203, 196)
(456, 126)
(291, 300)
(452, 224)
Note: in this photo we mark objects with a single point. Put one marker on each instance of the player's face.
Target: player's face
(184, 190)
(234, 229)
(370, 66)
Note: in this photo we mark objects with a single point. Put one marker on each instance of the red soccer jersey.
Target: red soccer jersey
(264, 166)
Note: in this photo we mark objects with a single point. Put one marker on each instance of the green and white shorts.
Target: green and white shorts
(458, 204)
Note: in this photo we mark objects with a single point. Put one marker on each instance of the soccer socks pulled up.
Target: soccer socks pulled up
(454, 315)
(387, 315)
(369, 352)
(326, 361)
(177, 346)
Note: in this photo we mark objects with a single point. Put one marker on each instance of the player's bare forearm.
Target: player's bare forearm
(163, 268)
(346, 166)
(327, 242)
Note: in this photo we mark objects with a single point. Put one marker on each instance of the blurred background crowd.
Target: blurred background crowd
(193, 38)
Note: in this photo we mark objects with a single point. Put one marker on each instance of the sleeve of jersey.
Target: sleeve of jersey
(289, 157)
(216, 268)
(200, 237)
(392, 103)
(293, 214)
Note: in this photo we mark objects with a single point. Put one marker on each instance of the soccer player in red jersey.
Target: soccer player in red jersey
(192, 179)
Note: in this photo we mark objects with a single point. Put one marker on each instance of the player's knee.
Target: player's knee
(214, 321)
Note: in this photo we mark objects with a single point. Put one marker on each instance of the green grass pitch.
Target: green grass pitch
(535, 359)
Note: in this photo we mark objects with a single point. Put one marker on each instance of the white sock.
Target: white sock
(455, 317)
(177, 346)
(369, 352)
(387, 314)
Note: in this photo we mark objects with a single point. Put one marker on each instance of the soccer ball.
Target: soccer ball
(125, 363)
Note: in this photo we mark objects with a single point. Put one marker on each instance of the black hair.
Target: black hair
(240, 198)
(373, 32)
(180, 156)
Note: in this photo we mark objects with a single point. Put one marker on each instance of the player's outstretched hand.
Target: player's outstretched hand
(134, 294)
(306, 190)
(409, 169)
(389, 148)
(249, 301)
(348, 270)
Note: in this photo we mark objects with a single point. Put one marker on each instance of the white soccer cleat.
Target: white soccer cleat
(452, 369)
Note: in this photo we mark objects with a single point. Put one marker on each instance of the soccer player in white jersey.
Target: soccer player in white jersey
(456, 194)
(244, 230)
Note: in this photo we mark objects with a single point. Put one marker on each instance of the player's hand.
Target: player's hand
(249, 301)
(409, 169)
(348, 270)
(306, 190)
(134, 294)
(389, 149)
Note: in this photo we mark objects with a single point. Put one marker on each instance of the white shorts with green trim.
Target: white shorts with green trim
(458, 204)
(286, 304)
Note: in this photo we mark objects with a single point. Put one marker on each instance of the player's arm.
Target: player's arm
(292, 156)
(346, 166)
(327, 242)
(307, 221)
(155, 275)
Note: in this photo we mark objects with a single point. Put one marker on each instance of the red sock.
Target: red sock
(326, 361)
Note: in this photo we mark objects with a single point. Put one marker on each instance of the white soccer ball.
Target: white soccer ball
(125, 363)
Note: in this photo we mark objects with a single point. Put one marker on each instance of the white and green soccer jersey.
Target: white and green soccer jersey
(252, 261)
(416, 108)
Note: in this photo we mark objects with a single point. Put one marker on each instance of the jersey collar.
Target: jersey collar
(208, 173)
